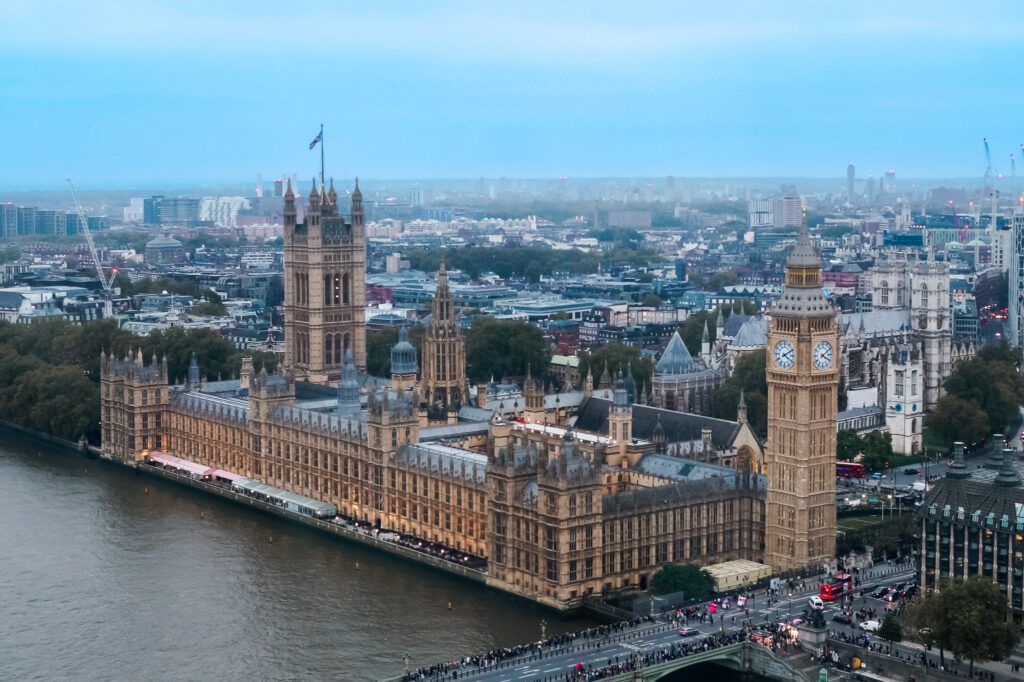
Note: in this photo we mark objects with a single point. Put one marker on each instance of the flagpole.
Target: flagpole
(322, 180)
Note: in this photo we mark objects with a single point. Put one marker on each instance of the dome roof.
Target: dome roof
(676, 359)
(403, 355)
(163, 242)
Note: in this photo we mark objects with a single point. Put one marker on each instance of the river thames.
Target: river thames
(109, 576)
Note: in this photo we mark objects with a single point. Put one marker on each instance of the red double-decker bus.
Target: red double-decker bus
(849, 470)
(836, 587)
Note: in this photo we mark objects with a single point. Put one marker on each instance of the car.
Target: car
(877, 475)
(688, 632)
(880, 592)
(840, 618)
(816, 603)
(870, 625)
(910, 592)
(911, 471)
(892, 595)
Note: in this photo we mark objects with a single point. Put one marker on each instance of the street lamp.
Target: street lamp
(543, 630)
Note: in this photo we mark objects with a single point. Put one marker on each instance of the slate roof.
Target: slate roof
(470, 466)
(880, 321)
(733, 324)
(753, 333)
(676, 359)
(678, 426)
(10, 300)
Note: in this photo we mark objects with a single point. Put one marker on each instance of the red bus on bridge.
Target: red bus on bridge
(849, 470)
(836, 587)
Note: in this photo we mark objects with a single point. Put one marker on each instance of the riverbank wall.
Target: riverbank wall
(340, 531)
(347, 533)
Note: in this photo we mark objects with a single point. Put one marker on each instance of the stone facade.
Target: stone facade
(325, 284)
(803, 379)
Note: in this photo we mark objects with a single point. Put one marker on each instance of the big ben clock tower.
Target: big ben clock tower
(803, 377)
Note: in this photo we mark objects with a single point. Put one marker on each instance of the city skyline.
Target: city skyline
(164, 93)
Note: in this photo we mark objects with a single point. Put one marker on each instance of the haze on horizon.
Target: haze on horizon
(143, 92)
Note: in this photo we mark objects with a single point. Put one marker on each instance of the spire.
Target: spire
(332, 196)
(348, 387)
(705, 336)
(741, 409)
(314, 194)
(193, 371)
(804, 254)
(289, 195)
(442, 307)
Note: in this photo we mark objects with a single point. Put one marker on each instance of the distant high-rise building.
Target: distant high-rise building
(1016, 302)
(26, 220)
(416, 197)
(788, 211)
(851, 176)
(869, 189)
(72, 225)
(259, 186)
(889, 184)
(159, 210)
(151, 210)
(8, 220)
(50, 222)
(133, 212)
(278, 188)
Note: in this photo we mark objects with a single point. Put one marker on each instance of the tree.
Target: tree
(877, 448)
(848, 445)
(652, 300)
(378, 348)
(208, 309)
(616, 356)
(956, 419)
(502, 348)
(694, 582)
(890, 630)
(721, 279)
(748, 377)
(692, 329)
(969, 618)
(990, 380)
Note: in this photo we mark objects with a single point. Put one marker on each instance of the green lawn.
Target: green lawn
(855, 523)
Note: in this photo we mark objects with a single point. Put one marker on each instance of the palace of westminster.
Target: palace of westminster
(585, 491)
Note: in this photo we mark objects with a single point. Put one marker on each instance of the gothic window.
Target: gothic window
(899, 384)
(328, 347)
(327, 289)
(572, 505)
(885, 292)
(913, 383)
(924, 295)
(346, 342)
(345, 288)
(913, 426)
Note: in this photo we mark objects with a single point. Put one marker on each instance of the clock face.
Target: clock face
(785, 354)
(823, 355)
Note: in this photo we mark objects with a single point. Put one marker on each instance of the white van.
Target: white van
(816, 603)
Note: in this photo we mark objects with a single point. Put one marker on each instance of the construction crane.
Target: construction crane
(84, 224)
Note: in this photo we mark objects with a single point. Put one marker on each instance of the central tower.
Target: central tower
(324, 285)
(443, 389)
(803, 378)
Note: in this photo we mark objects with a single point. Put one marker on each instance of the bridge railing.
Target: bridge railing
(541, 652)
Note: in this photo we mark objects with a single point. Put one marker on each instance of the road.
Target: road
(555, 661)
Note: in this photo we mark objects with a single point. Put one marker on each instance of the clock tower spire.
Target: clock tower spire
(803, 379)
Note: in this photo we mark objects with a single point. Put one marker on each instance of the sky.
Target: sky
(136, 92)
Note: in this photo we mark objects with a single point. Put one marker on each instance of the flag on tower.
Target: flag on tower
(319, 136)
